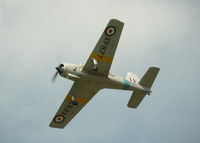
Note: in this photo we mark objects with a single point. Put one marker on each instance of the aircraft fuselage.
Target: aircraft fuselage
(113, 81)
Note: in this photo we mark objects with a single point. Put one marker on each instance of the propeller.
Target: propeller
(53, 79)
(60, 70)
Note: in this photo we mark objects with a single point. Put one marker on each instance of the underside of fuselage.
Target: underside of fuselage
(74, 72)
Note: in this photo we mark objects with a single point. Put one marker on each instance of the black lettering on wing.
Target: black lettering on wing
(106, 43)
(103, 48)
(65, 111)
(107, 39)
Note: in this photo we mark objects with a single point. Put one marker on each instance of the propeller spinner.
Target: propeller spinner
(60, 70)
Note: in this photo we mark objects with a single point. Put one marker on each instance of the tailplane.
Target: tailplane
(149, 77)
(146, 82)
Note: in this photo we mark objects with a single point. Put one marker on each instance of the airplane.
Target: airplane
(94, 75)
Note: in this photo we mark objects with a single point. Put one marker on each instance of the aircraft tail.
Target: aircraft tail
(146, 82)
(149, 77)
(132, 77)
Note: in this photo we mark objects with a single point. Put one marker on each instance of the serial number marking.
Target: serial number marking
(67, 109)
(104, 47)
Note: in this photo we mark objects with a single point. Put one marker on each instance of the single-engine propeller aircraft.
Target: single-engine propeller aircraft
(94, 75)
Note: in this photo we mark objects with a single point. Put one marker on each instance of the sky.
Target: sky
(36, 35)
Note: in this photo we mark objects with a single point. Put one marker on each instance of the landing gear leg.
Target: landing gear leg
(94, 68)
(74, 101)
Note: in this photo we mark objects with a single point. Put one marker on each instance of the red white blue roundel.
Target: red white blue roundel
(59, 118)
(110, 30)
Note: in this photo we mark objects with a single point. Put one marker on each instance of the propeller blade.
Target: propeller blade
(54, 77)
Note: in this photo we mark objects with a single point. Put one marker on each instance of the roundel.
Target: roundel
(110, 30)
(59, 119)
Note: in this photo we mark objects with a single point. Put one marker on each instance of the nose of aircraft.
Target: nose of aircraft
(60, 68)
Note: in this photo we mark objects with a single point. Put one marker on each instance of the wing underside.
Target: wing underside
(100, 60)
(81, 92)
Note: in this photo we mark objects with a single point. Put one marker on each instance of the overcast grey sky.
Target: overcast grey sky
(36, 34)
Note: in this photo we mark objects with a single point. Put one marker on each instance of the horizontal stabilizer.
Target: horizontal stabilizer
(135, 99)
(146, 82)
(149, 77)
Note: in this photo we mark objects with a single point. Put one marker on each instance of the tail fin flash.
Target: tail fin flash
(146, 81)
(132, 77)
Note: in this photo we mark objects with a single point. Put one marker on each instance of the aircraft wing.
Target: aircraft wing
(100, 60)
(82, 93)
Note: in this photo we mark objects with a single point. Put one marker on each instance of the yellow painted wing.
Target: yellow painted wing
(81, 92)
(104, 50)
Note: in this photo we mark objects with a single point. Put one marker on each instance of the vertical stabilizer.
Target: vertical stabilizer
(132, 77)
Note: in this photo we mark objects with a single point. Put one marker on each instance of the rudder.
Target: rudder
(132, 77)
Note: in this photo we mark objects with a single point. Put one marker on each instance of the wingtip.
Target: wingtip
(57, 127)
(116, 20)
(133, 107)
(157, 68)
